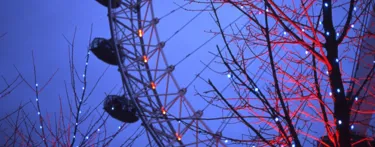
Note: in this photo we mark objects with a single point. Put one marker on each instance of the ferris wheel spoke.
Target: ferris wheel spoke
(165, 111)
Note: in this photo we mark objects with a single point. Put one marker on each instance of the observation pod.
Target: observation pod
(120, 108)
(115, 3)
(355, 138)
(104, 50)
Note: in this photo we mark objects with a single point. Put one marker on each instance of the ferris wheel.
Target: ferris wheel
(152, 94)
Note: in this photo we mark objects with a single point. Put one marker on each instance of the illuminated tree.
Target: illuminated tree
(313, 72)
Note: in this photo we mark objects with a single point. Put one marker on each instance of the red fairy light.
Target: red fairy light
(140, 33)
(153, 85)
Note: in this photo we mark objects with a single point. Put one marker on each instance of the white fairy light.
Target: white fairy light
(326, 4)
(229, 76)
(337, 60)
(98, 130)
(74, 136)
(320, 22)
(284, 33)
(226, 141)
(356, 98)
(36, 99)
(355, 8)
(38, 113)
(276, 119)
(338, 90)
(119, 127)
(306, 52)
(340, 122)
(327, 33)
(256, 89)
(113, 108)
(337, 34)
(303, 30)
(352, 127)
(40, 127)
(36, 84)
(87, 63)
(352, 25)
(330, 93)
(87, 137)
(76, 124)
(83, 75)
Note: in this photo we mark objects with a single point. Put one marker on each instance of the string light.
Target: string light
(256, 89)
(355, 8)
(352, 127)
(87, 63)
(284, 33)
(74, 136)
(80, 111)
(276, 119)
(337, 60)
(327, 33)
(87, 137)
(306, 52)
(119, 127)
(241, 7)
(320, 22)
(327, 72)
(36, 99)
(83, 88)
(293, 145)
(330, 93)
(83, 75)
(40, 127)
(338, 90)
(76, 124)
(326, 4)
(38, 113)
(340, 122)
(337, 34)
(113, 108)
(356, 98)
(267, 10)
(36, 84)
(352, 25)
(98, 130)
(229, 76)
(226, 141)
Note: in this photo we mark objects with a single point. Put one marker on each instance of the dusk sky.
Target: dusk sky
(46, 28)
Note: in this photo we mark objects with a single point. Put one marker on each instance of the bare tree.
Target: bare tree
(314, 71)
(32, 124)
